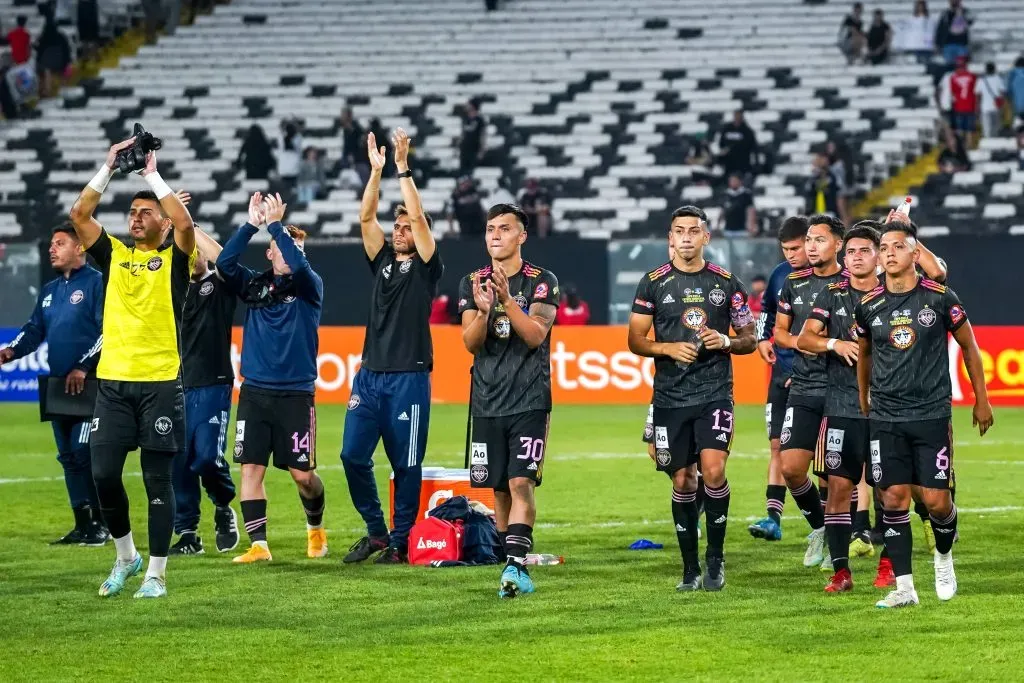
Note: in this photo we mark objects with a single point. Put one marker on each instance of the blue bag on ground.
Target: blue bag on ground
(480, 544)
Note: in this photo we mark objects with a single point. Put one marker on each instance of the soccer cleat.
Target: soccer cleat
(691, 580)
(929, 535)
(826, 562)
(188, 543)
(885, 577)
(876, 537)
(945, 577)
(392, 556)
(95, 535)
(225, 525)
(899, 597)
(73, 537)
(714, 575)
(365, 548)
(815, 548)
(860, 545)
(152, 587)
(514, 581)
(766, 528)
(841, 582)
(255, 553)
(121, 572)
(316, 543)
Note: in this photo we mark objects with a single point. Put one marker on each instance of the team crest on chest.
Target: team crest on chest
(902, 337)
(406, 265)
(926, 317)
(77, 296)
(206, 289)
(717, 296)
(154, 263)
(694, 318)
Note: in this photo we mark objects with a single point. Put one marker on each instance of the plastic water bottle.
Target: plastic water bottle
(543, 558)
(904, 206)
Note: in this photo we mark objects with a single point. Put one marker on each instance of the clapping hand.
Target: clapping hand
(275, 208)
(377, 156)
(257, 212)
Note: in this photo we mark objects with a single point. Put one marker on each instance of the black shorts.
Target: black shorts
(775, 406)
(648, 436)
(801, 425)
(918, 452)
(680, 434)
(282, 422)
(132, 415)
(843, 448)
(507, 447)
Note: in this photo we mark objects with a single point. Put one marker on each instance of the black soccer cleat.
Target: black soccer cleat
(365, 548)
(225, 525)
(392, 556)
(714, 578)
(691, 580)
(73, 537)
(188, 543)
(95, 535)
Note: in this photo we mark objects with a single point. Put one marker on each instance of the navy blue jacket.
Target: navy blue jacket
(69, 317)
(280, 341)
(766, 321)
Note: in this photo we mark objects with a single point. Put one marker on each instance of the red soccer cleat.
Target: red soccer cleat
(841, 582)
(886, 577)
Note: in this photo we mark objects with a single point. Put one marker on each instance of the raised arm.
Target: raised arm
(172, 206)
(369, 227)
(308, 284)
(421, 235)
(933, 267)
(88, 228)
(233, 273)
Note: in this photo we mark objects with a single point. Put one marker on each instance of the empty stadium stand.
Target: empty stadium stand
(596, 98)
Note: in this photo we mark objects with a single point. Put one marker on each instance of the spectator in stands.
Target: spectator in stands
(8, 105)
(54, 52)
(1020, 146)
(851, 34)
(572, 310)
(473, 141)
(152, 11)
(354, 154)
(991, 92)
(964, 87)
(952, 36)
(255, 156)
(840, 162)
(312, 175)
(466, 207)
(1015, 89)
(738, 146)
(289, 152)
(916, 35)
(822, 189)
(88, 28)
(738, 213)
(535, 201)
(953, 157)
(879, 39)
(758, 284)
(20, 41)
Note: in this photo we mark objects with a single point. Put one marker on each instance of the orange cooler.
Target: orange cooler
(440, 484)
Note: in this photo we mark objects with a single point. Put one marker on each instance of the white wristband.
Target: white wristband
(831, 344)
(725, 340)
(102, 177)
(157, 184)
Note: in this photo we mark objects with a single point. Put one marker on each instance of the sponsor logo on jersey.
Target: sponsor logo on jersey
(668, 299)
(646, 304)
(47, 300)
(902, 337)
(900, 318)
(693, 295)
(387, 272)
(502, 327)
(478, 453)
(427, 544)
(956, 313)
(541, 291)
(694, 318)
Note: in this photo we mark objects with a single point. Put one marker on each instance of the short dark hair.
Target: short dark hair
(835, 225)
(690, 211)
(760, 277)
(22, 20)
(990, 68)
(67, 228)
(908, 227)
(149, 195)
(502, 209)
(865, 230)
(400, 210)
(794, 227)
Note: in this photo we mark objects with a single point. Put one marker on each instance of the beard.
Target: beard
(408, 249)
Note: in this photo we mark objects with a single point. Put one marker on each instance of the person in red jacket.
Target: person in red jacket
(572, 310)
(963, 86)
(440, 310)
(20, 42)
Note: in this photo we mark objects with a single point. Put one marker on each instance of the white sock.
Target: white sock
(948, 557)
(310, 527)
(262, 544)
(125, 548)
(157, 567)
(906, 582)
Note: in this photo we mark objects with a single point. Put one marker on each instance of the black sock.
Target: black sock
(107, 467)
(686, 518)
(254, 514)
(717, 507)
(518, 541)
(945, 532)
(776, 496)
(156, 475)
(702, 496)
(898, 540)
(809, 502)
(854, 500)
(314, 508)
(823, 494)
(877, 498)
(921, 510)
(861, 521)
(837, 532)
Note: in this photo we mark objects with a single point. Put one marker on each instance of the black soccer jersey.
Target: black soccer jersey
(508, 376)
(909, 354)
(834, 308)
(398, 332)
(206, 332)
(682, 304)
(801, 290)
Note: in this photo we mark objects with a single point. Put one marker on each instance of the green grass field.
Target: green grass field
(607, 614)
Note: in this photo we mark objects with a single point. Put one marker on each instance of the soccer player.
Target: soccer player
(691, 303)
(507, 309)
(902, 328)
(208, 379)
(69, 317)
(805, 407)
(792, 236)
(391, 391)
(140, 401)
(830, 331)
(276, 407)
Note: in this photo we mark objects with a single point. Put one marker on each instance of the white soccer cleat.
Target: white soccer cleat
(899, 597)
(945, 577)
(815, 548)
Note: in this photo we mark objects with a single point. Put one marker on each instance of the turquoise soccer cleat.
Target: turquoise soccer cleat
(766, 528)
(121, 572)
(514, 581)
(152, 587)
